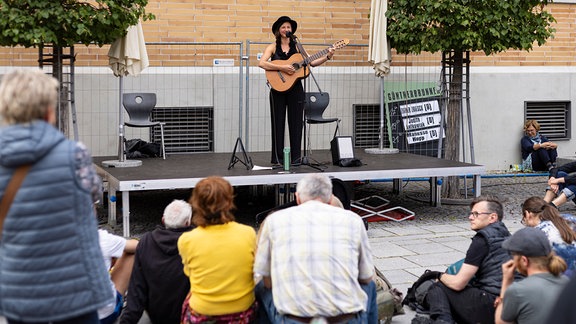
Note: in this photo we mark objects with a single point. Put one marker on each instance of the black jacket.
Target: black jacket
(158, 284)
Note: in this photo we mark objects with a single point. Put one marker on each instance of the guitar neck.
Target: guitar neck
(316, 56)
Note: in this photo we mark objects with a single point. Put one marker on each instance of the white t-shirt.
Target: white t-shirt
(112, 246)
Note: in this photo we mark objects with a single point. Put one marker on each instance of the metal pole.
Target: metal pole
(247, 105)
(240, 66)
(121, 124)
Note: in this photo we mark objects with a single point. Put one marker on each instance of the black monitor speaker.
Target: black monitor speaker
(342, 148)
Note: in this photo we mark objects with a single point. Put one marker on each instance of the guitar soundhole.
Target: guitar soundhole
(296, 66)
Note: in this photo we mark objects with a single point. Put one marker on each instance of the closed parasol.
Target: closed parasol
(127, 56)
(379, 55)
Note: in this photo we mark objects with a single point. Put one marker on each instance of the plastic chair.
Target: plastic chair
(139, 107)
(314, 107)
(316, 104)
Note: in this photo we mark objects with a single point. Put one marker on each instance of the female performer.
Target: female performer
(291, 100)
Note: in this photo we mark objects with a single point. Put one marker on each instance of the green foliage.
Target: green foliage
(31, 23)
(492, 26)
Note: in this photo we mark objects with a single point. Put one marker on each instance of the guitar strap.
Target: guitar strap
(10, 192)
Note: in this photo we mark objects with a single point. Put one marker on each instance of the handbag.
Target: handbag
(10, 192)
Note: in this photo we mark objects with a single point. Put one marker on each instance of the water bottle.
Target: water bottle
(286, 159)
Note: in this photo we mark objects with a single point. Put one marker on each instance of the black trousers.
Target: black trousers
(470, 305)
(291, 102)
(541, 157)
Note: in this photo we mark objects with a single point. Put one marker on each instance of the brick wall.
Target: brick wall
(318, 22)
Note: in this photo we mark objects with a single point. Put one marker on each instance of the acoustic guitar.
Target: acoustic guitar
(281, 81)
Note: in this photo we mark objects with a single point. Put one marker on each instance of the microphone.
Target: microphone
(290, 35)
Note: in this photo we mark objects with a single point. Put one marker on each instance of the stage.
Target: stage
(184, 171)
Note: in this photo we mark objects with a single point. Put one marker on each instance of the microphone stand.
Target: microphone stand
(304, 159)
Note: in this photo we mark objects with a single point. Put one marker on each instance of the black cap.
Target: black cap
(282, 20)
(528, 241)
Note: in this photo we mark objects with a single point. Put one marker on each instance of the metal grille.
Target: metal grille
(187, 129)
(553, 117)
(367, 125)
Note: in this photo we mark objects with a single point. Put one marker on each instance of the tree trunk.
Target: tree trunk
(451, 187)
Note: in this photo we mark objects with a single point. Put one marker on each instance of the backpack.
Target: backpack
(416, 295)
(137, 148)
(388, 299)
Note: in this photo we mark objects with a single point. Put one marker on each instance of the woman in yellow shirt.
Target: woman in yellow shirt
(218, 256)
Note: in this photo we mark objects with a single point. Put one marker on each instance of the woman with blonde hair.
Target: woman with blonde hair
(218, 256)
(538, 153)
(536, 212)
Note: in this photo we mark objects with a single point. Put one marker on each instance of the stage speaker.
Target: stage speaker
(342, 148)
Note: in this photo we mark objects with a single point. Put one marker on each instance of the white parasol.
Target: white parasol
(379, 55)
(127, 56)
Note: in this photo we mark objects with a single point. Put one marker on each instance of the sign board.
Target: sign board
(415, 116)
(418, 117)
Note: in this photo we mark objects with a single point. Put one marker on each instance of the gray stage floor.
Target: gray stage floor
(184, 171)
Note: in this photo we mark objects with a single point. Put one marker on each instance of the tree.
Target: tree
(64, 23)
(459, 26)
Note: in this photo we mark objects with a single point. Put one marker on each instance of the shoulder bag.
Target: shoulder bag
(10, 192)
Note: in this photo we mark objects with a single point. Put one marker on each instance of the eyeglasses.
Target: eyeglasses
(475, 214)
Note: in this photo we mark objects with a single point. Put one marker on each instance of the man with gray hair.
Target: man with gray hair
(317, 258)
(158, 284)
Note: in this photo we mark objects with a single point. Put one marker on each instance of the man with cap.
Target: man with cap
(468, 296)
(290, 101)
(529, 300)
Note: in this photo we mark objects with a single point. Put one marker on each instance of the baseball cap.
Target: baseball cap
(528, 241)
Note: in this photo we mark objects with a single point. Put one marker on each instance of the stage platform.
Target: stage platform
(184, 171)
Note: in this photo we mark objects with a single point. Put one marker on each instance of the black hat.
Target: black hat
(528, 241)
(282, 20)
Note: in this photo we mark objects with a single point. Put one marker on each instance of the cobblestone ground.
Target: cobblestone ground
(511, 189)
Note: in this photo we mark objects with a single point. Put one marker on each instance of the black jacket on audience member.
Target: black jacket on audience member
(158, 284)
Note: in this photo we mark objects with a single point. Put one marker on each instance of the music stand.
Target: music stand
(246, 160)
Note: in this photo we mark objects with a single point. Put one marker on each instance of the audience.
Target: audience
(561, 184)
(51, 267)
(218, 256)
(315, 261)
(529, 300)
(538, 213)
(158, 284)
(118, 254)
(468, 296)
(538, 153)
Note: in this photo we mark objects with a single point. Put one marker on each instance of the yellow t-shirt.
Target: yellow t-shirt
(218, 260)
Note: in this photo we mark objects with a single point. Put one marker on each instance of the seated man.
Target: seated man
(122, 251)
(468, 296)
(317, 259)
(158, 284)
(529, 300)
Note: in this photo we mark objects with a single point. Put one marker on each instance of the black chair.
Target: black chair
(139, 107)
(316, 104)
(314, 107)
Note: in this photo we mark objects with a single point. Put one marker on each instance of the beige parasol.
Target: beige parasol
(379, 55)
(378, 49)
(127, 56)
